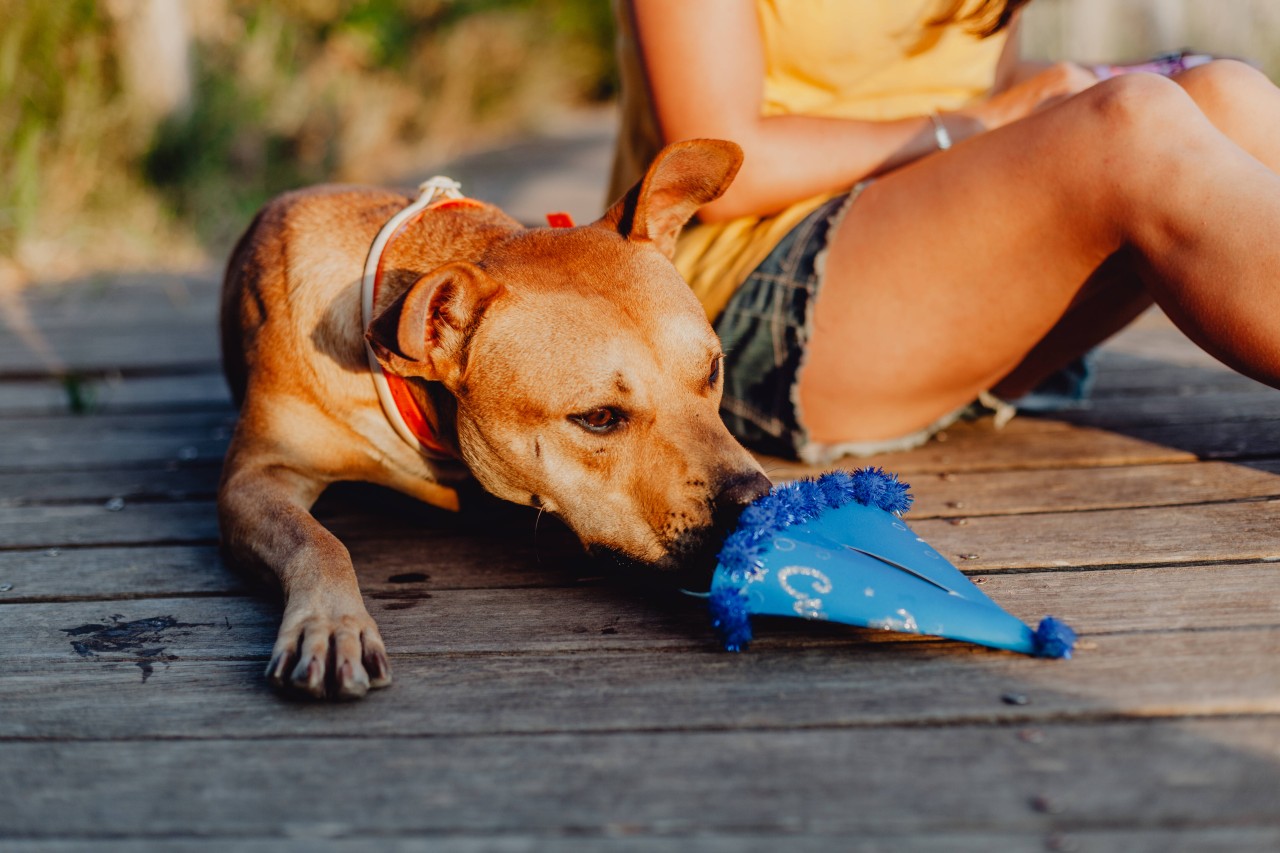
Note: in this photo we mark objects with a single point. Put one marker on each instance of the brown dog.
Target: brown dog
(569, 369)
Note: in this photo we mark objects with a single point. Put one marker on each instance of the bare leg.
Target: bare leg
(1111, 299)
(949, 272)
(1243, 104)
(328, 643)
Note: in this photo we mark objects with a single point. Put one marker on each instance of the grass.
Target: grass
(283, 94)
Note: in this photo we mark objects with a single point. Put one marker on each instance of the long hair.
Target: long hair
(986, 18)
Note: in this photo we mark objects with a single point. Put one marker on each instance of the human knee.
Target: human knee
(1134, 106)
(1226, 90)
(1146, 131)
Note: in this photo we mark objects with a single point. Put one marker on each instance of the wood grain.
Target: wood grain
(1201, 839)
(1185, 773)
(199, 391)
(1248, 530)
(543, 703)
(45, 443)
(785, 684)
(422, 619)
(174, 480)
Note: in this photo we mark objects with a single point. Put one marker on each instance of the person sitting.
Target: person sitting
(923, 219)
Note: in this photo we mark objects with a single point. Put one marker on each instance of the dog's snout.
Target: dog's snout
(736, 491)
(741, 489)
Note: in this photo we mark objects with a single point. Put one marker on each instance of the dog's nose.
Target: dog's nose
(741, 489)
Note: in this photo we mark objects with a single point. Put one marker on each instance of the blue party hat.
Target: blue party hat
(836, 549)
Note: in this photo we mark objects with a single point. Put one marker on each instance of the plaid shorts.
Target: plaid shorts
(765, 331)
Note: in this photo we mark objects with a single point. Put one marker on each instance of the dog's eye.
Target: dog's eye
(714, 379)
(603, 419)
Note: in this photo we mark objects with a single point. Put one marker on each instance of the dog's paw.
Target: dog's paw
(335, 653)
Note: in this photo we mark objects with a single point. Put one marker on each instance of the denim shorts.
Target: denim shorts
(765, 330)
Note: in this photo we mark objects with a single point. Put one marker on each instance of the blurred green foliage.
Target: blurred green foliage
(283, 94)
(55, 67)
(323, 90)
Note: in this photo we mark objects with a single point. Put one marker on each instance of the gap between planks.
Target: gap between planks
(1132, 837)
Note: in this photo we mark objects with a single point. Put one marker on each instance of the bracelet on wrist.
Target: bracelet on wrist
(941, 135)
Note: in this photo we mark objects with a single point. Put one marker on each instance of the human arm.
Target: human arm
(705, 65)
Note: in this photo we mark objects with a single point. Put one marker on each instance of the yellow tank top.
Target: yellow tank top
(853, 59)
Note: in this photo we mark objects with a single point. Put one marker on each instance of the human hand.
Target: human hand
(1166, 64)
(1050, 86)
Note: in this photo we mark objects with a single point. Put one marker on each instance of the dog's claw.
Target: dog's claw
(352, 683)
(338, 656)
(379, 668)
(308, 676)
(280, 664)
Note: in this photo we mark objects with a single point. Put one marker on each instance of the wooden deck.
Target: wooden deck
(540, 706)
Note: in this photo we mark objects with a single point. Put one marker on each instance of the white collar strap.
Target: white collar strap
(435, 189)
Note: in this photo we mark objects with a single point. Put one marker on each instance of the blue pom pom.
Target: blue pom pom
(874, 487)
(868, 484)
(836, 488)
(791, 504)
(1053, 639)
(730, 618)
(809, 499)
(739, 553)
(759, 515)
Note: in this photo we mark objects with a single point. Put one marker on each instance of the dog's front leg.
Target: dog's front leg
(328, 643)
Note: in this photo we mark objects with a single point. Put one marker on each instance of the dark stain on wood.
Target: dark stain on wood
(137, 639)
(409, 577)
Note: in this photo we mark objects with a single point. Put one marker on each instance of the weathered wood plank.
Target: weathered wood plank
(167, 481)
(117, 394)
(1218, 839)
(137, 298)
(1189, 773)
(52, 443)
(115, 573)
(937, 495)
(1218, 440)
(431, 558)
(1121, 377)
(1116, 413)
(121, 522)
(1176, 534)
(1013, 492)
(419, 618)
(781, 686)
(179, 348)
(143, 322)
(1147, 599)
(113, 440)
(108, 524)
(1025, 444)
(387, 567)
(572, 619)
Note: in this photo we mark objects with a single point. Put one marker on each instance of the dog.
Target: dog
(569, 369)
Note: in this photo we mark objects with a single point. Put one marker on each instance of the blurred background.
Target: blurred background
(144, 133)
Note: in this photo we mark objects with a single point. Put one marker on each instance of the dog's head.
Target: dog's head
(587, 378)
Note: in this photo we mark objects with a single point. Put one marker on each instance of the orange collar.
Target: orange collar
(408, 418)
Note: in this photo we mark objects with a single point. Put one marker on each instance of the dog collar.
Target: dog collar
(398, 403)
(408, 419)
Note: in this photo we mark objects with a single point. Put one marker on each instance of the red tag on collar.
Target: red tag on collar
(559, 220)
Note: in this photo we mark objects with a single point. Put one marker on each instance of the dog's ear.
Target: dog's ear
(683, 177)
(425, 331)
